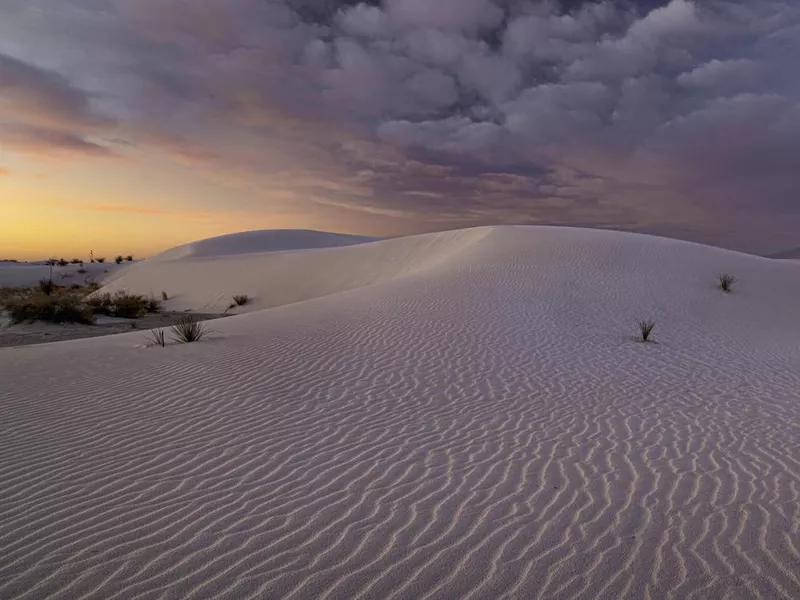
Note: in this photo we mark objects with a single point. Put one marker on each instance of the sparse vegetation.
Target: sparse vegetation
(645, 328)
(188, 329)
(62, 262)
(164, 296)
(76, 261)
(82, 271)
(157, 337)
(118, 259)
(129, 306)
(51, 308)
(726, 281)
(46, 286)
(129, 258)
(101, 259)
(241, 299)
(122, 304)
(51, 262)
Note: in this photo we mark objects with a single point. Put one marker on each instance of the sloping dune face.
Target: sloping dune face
(479, 422)
(196, 279)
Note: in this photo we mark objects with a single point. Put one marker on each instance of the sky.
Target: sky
(130, 126)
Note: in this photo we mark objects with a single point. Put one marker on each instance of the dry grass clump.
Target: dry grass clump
(726, 281)
(241, 299)
(157, 337)
(188, 329)
(645, 328)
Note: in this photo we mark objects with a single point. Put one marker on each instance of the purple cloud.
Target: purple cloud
(660, 116)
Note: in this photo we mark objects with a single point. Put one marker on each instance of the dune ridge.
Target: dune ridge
(477, 422)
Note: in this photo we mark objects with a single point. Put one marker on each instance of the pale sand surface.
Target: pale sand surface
(456, 415)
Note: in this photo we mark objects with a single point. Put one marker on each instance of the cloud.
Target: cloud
(653, 115)
(43, 112)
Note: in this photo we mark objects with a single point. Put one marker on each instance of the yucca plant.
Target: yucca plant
(188, 329)
(241, 299)
(726, 281)
(157, 337)
(645, 328)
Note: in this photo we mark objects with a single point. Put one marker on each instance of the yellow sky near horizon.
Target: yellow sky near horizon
(67, 209)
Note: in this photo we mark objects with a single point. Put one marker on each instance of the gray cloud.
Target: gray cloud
(660, 115)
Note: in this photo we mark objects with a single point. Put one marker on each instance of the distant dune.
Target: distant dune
(465, 414)
(790, 254)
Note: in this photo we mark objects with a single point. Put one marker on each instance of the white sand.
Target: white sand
(28, 274)
(456, 415)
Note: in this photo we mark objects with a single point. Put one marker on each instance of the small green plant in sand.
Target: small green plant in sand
(188, 329)
(645, 329)
(726, 281)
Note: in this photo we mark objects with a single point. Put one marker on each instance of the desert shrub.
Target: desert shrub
(118, 259)
(62, 262)
(157, 337)
(101, 304)
(101, 259)
(82, 271)
(645, 328)
(76, 261)
(128, 306)
(51, 262)
(188, 329)
(129, 258)
(726, 281)
(46, 286)
(54, 309)
(164, 296)
(153, 305)
(241, 299)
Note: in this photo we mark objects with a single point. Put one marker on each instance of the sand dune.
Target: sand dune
(455, 415)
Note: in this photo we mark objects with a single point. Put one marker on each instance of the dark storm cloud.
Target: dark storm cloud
(658, 115)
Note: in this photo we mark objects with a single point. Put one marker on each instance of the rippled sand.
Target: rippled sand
(457, 415)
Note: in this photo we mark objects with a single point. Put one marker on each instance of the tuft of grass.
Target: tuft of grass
(241, 299)
(101, 259)
(645, 328)
(157, 337)
(726, 281)
(153, 305)
(118, 259)
(188, 329)
(164, 296)
(46, 286)
(53, 309)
